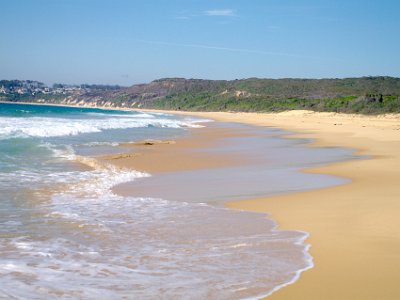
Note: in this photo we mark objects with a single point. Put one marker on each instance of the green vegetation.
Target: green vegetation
(349, 104)
(367, 95)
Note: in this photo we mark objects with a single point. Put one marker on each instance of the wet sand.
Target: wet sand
(235, 162)
(355, 228)
(182, 155)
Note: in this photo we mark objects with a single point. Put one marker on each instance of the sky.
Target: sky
(127, 42)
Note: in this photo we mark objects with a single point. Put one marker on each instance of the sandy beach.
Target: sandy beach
(354, 228)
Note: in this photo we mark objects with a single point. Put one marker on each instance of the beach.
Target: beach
(231, 150)
(345, 207)
(354, 228)
(72, 226)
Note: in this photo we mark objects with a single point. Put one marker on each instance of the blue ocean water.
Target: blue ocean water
(65, 234)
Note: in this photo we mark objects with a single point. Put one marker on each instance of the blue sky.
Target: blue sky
(126, 42)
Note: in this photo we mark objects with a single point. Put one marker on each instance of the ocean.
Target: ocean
(64, 234)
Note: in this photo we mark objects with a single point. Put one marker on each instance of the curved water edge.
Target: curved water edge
(93, 163)
(308, 257)
(89, 206)
(64, 216)
(203, 244)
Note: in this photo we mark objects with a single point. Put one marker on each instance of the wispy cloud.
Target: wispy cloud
(187, 15)
(220, 13)
(200, 46)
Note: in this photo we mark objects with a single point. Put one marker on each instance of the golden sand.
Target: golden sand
(182, 155)
(355, 228)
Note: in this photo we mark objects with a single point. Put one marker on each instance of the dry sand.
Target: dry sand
(355, 228)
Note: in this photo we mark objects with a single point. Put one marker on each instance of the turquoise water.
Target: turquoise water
(65, 234)
(39, 146)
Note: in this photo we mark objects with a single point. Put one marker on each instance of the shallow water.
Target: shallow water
(64, 234)
(273, 166)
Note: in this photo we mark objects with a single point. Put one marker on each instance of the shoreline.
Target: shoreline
(158, 152)
(353, 227)
(157, 159)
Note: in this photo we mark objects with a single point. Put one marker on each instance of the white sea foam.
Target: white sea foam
(99, 180)
(141, 247)
(95, 144)
(11, 127)
(134, 116)
(84, 242)
(113, 242)
(122, 246)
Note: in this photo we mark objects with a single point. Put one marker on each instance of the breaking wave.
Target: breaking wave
(12, 127)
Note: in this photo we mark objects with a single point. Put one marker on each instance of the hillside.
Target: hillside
(363, 95)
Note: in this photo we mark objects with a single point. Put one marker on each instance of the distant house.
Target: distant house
(21, 91)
